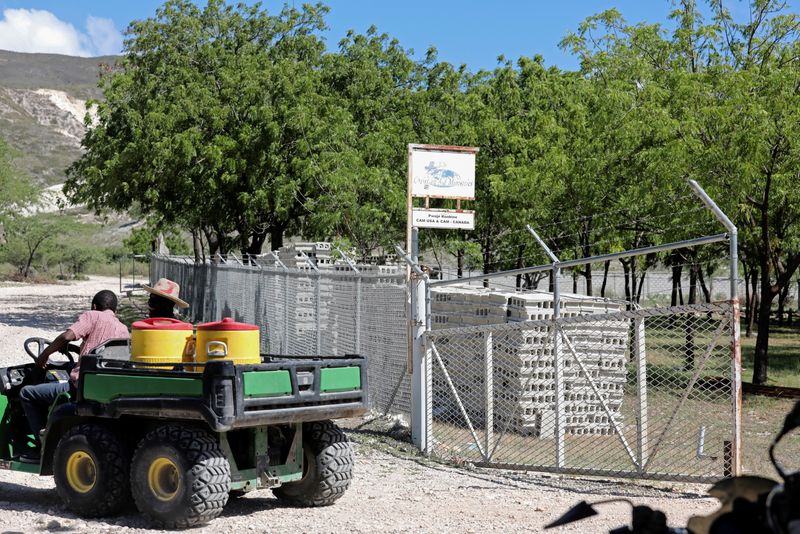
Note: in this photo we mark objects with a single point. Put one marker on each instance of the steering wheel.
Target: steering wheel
(42, 343)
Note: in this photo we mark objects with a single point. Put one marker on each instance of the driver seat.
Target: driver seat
(114, 349)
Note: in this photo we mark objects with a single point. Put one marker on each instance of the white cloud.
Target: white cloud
(35, 30)
(104, 36)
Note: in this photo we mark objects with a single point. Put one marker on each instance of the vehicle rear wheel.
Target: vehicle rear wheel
(327, 467)
(91, 471)
(180, 477)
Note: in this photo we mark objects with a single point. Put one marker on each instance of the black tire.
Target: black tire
(327, 469)
(91, 471)
(179, 477)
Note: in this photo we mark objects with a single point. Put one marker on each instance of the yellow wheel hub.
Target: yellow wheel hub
(81, 472)
(163, 479)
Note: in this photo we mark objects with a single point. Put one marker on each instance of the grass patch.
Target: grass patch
(784, 356)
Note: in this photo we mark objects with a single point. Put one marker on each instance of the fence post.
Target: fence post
(736, 348)
(419, 380)
(357, 324)
(489, 388)
(736, 390)
(420, 349)
(558, 369)
(358, 314)
(558, 358)
(317, 306)
(641, 384)
(285, 340)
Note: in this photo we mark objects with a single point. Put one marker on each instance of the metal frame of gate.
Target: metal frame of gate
(423, 351)
(488, 434)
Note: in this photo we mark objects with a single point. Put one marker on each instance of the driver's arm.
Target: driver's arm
(58, 343)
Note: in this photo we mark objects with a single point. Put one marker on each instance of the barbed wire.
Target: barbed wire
(563, 253)
(616, 239)
(630, 225)
(717, 261)
(667, 202)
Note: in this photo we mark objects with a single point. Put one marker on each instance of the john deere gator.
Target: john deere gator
(181, 440)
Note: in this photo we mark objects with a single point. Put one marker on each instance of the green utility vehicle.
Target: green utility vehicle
(181, 440)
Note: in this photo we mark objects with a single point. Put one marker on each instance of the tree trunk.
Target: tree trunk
(703, 286)
(676, 294)
(781, 303)
(520, 251)
(688, 351)
(487, 259)
(627, 273)
(588, 274)
(606, 266)
(761, 357)
(275, 237)
(747, 309)
(32, 252)
(213, 242)
(256, 245)
(197, 245)
(534, 279)
(574, 282)
(755, 302)
(641, 287)
(460, 263)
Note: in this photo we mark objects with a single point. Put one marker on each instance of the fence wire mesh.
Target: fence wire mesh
(644, 393)
(302, 311)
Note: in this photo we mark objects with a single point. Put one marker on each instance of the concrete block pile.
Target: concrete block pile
(523, 370)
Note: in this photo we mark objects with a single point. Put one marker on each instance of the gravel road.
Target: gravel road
(395, 489)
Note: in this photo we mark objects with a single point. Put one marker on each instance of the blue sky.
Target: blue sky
(467, 31)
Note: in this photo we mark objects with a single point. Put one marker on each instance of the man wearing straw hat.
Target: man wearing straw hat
(164, 296)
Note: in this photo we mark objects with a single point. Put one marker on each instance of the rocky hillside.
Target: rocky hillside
(42, 107)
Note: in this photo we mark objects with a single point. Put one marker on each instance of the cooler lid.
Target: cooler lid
(161, 323)
(226, 324)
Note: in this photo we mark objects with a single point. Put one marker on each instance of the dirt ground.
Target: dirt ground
(395, 489)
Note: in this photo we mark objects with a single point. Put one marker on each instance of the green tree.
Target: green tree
(28, 237)
(142, 239)
(15, 190)
(210, 121)
(375, 82)
(731, 117)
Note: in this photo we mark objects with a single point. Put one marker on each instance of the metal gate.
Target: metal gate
(647, 393)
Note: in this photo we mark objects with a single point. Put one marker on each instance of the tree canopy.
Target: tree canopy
(237, 124)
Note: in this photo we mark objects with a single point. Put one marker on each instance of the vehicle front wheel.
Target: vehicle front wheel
(91, 471)
(180, 477)
(327, 467)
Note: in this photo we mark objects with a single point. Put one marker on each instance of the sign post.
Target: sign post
(440, 171)
(434, 171)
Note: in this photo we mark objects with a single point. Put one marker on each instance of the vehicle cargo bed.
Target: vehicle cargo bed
(281, 389)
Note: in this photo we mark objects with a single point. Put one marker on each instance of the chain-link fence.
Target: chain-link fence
(602, 390)
(304, 311)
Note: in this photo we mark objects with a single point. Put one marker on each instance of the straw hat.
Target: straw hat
(169, 290)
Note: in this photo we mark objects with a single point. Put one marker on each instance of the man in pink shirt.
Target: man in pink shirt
(94, 327)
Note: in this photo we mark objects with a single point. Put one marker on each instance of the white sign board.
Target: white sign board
(442, 174)
(430, 218)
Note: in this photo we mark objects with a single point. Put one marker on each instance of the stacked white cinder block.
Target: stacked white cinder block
(337, 296)
(458, 307)
(523, 360)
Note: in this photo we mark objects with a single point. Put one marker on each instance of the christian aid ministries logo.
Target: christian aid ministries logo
(439, 175)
